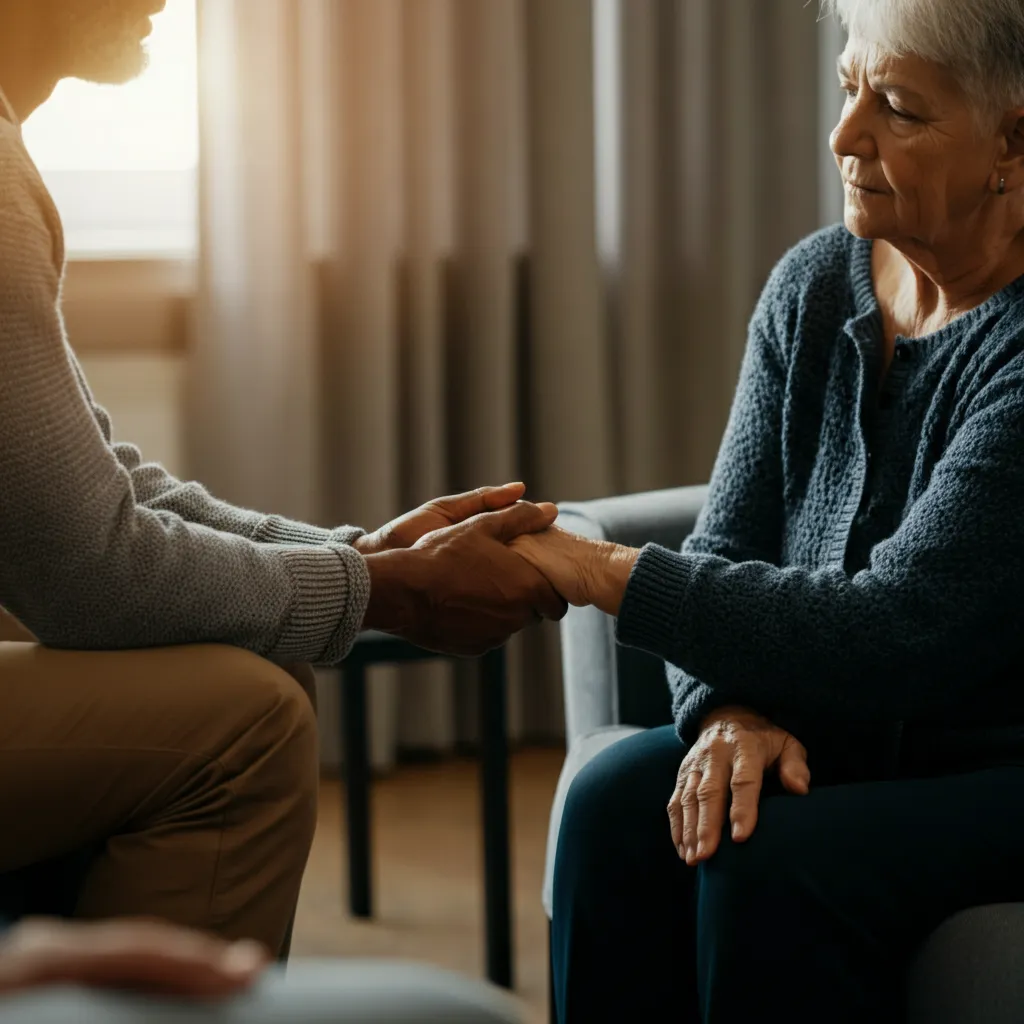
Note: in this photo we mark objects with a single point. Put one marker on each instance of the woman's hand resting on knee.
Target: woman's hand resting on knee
(735, 748)
(129, 955)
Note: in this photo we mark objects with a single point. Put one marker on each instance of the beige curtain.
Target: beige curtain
(447, 242)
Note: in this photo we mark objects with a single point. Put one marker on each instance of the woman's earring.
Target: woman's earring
(1002, 186)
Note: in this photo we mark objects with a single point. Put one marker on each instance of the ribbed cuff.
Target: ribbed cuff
(332, 590)
(347, 535)
(691, 711)
(278, 530)
(651, 616)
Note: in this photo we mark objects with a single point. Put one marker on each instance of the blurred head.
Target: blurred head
(97, 40)
(932, 119)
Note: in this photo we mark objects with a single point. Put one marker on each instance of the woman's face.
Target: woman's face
(915, 166)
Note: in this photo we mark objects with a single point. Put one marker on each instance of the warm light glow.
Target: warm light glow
(149, 124)
(121, 161)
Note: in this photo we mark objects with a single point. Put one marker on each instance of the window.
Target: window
(121, 161)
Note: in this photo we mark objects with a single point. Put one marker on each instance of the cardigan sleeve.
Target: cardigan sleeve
(936, 610)
(743, 517)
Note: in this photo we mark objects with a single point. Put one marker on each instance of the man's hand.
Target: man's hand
(735, 748)
(461, 590)
(142, 956)
(436, 515)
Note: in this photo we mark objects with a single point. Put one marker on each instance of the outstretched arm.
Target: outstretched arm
(937, 608)
(160, 491)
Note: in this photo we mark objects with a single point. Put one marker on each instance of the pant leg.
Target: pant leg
(343, 992)
(622, 928)
(817, 915)
(195, 769)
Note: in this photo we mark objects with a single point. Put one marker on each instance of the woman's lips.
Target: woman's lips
(863, 188)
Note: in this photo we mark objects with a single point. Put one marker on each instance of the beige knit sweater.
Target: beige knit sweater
(99, 550)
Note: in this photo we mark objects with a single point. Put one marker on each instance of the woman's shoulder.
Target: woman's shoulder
(819, 265)
(810, 289)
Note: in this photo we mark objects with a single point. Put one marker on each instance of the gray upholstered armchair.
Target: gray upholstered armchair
(969, 971)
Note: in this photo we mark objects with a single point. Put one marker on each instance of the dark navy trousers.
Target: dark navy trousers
(813, 919)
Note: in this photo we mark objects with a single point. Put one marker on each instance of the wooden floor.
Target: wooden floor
(428, 873)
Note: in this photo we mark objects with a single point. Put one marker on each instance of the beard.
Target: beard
(102, 40)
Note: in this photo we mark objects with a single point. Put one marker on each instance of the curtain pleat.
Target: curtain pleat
(252, 419)
(450, 242)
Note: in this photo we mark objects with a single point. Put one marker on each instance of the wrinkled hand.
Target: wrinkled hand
(583, 571)
(462, 590)
(143, 956)
(438, 514)
(734, 750)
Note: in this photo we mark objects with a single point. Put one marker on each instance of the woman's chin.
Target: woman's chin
(861, 224)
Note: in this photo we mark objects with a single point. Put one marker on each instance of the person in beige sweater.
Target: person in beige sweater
(155, 703)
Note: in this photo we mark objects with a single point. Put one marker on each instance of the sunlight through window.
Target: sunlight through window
(121, 161)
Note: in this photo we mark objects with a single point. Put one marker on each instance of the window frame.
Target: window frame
(129, 305)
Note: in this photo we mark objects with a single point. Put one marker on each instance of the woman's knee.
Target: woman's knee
(627, 778)
(615, 807)
(762, 878)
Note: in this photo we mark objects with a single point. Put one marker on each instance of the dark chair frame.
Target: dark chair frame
(373, 648)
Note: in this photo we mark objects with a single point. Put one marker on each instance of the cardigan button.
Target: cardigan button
(902, 353)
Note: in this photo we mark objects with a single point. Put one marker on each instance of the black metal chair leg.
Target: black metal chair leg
(552, 1005)
(494, 774)
(357, 784)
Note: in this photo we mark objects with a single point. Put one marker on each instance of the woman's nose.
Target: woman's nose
(852, 136)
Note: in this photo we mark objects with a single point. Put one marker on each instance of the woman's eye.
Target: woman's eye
(903, 115)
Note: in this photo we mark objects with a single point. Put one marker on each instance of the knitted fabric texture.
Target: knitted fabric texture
(860, 560)
(99, 550)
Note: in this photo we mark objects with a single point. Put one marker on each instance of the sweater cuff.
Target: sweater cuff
(331, 592)
(278, 530)
(651, 616)
(346, 535)
(694, 708)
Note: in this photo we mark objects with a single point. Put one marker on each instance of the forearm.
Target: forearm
(192, 502)
(160, 491)
(813, 642)
(159, 581)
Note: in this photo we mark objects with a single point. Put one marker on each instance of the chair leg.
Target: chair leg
(552, 1006)
(357, 785)
(494, 775)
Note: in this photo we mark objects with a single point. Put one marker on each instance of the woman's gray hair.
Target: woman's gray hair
(980, 41)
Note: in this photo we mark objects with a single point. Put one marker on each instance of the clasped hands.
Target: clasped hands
(461, 574)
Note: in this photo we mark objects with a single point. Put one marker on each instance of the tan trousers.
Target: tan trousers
(197, 767)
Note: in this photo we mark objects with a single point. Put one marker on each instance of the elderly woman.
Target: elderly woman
(850, 602)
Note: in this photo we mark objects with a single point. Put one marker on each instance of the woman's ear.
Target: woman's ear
(1010, 165)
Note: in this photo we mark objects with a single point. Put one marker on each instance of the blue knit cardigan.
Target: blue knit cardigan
(860, 561)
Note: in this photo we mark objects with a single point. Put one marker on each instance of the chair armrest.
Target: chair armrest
(590, 656)
(655, 517)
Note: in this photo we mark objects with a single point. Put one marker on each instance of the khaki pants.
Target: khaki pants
(195, 768)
